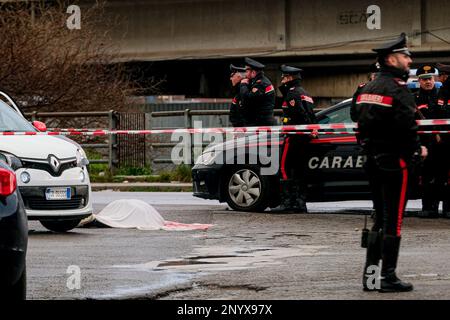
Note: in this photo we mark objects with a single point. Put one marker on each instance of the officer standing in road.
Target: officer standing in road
(298, 109)
(388, 134)
(237, 111)
(426, 101)
(444, 147)
(257, 94)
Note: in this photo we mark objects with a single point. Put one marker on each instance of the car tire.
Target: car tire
(60, 225)
(246, 189)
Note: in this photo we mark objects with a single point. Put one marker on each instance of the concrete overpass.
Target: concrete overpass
(329, 39)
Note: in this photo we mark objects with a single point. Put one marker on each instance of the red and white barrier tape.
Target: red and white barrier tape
(433, 122)
(266, 129)
(193, 131)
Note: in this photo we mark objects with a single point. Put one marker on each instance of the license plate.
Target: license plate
(58, 194)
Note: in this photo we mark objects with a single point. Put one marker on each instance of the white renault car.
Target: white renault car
(51, 172)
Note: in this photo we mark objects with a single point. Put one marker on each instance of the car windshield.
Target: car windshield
(10, 120)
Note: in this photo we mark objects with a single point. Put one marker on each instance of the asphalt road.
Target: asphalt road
(243, 256)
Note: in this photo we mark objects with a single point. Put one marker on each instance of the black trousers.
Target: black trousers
(442, 169)
(388, 177)
(294, 157)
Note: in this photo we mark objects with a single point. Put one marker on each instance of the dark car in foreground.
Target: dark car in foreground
(13, 236)
(334, 168)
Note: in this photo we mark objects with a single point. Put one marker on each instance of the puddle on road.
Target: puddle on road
(129, 292)
(222, 258)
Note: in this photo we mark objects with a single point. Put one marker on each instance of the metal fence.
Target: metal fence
(136, 150)
(108, 118)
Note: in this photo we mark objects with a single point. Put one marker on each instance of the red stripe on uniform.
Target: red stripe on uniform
(401, 204)
(378, 99)
(269, 89)
(422, 106)
(283, 160)
(234, 101)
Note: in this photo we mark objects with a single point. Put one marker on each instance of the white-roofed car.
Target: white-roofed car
(52, 177)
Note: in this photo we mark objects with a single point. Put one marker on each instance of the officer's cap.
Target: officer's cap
(253, 64)
(396, 46)
(234, 69)
(290, 71)
(443, 68)
(426, 72)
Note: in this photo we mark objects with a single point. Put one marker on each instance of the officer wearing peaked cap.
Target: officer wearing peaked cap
(298, 109)
(257, 94)
(444, 147)
(426, 101)
(238, 115)
(388, 135)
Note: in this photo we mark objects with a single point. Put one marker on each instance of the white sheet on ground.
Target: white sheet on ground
(132, 213)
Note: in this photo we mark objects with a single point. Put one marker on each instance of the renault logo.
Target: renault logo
(54, 163)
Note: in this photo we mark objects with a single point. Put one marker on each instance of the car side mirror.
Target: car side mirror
(40, 126)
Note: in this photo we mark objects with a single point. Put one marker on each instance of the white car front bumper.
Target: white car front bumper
(36, 205)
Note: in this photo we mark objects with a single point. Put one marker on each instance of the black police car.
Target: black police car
(13, 236)
(335, 169)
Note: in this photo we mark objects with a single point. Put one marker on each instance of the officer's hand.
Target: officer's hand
(236, 78)
(245, 81)
(424, 152)
(438, 138)
(315, 134)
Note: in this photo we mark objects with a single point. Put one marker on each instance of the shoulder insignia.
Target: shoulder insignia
(307, 99)
(292, 102)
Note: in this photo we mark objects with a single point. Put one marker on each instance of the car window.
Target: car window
(10, 120)
(338, 116)
(341, 115)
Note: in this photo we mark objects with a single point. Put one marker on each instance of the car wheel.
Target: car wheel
(60, 225)
(246, 189)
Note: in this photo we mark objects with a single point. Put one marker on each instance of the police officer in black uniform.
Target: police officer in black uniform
(444, 147)
(238, 117)
(426, 101)
(298, 109)
(354, 109)
(257, 94)
(388, 134)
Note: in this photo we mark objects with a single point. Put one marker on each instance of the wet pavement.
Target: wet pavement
(243, 256)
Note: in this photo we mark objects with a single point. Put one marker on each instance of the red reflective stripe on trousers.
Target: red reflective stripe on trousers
(283, 160)
(401, 203)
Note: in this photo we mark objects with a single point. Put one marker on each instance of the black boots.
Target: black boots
(299, 197)
(446, 209)
(387, 249)
(430, 208)
(372, 259)
(292, 198)
(389, 280)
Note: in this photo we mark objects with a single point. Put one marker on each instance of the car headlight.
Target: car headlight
(10, 160)
(25, 177)
(82, 159)
(206, 158)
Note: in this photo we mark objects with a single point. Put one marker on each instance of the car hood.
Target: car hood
(37, 147)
